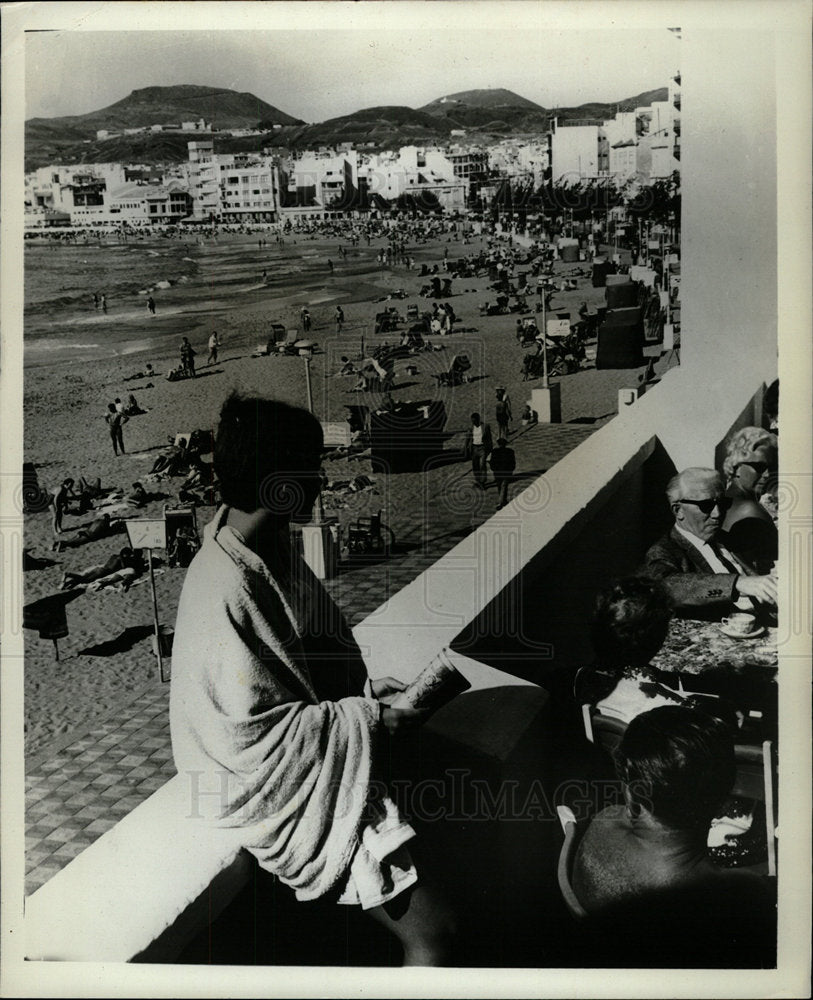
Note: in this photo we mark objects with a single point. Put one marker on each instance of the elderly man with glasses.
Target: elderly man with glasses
(700, 570)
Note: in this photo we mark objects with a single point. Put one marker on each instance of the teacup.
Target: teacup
(740, 623)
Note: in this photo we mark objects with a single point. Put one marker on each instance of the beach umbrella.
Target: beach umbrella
(48, 616)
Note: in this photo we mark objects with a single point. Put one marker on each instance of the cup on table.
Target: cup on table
(740, 623)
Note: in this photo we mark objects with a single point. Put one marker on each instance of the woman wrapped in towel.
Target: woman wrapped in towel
(271, 705)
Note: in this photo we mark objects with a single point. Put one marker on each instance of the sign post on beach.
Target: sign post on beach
(150, 533)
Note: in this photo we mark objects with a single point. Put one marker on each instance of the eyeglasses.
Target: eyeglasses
(759, 468)
(708, 505)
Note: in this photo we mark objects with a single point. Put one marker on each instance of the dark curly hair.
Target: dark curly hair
(679, 764)
(265, 453)
(630, 622)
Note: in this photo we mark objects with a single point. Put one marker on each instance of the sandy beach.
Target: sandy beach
(108, 653)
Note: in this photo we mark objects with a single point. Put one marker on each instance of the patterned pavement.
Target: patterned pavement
(86, 782)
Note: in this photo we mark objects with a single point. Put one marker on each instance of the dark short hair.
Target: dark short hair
(630, 622)
(263, 449)
(475, 415)
(678, 763)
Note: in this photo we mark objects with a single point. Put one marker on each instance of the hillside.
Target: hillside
(496, 112)
(390, 125)
(71, 137)
(496, 98)
(482, 114)
(596, 110)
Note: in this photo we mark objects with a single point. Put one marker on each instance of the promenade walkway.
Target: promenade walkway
(86, 782)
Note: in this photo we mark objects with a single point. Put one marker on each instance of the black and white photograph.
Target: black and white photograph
(403, 564)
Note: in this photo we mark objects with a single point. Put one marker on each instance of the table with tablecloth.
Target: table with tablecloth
(705, 660)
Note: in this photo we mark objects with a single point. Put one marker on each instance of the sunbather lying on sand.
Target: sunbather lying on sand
(126, 559)
(101, 527)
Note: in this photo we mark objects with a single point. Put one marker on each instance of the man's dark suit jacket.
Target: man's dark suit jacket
(691, 582)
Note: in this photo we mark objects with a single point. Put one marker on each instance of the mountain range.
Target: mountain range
(488, 114)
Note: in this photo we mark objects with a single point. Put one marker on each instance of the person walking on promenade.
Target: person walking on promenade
(330, 265)
(188, 357)
(96, 300)
(151, 305)
(478, 448)
(214, 343)
(114, 422)
(503, 413)
(104, 303)
(503, 463)
(339, 319)
(306, 319)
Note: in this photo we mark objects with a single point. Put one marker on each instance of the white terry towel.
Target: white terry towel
(257, 748)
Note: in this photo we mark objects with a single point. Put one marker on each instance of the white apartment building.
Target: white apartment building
(574, 152)
(322, 180)
(413, 170)
(232, 187)
(103, 194)
(204, 179)
(247, 188)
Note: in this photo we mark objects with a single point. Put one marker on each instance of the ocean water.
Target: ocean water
(60, 321)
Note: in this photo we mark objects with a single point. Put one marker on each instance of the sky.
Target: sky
(319, 74)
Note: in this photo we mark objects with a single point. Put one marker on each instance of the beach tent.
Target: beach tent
(621, 339)
(622, 294)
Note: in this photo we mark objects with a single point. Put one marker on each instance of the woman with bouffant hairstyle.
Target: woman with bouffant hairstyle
(750, 467)
(274, 721)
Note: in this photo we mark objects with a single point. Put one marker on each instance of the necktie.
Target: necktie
(729, 560)
(725, 557)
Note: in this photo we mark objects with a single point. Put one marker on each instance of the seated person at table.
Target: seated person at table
(750, 468)
(642, 867)
(629, 627)
(702, 574)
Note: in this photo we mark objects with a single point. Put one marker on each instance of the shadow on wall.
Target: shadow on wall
(539, 623)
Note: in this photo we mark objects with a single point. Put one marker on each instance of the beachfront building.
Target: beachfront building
(471, 166)
(575, 151)
(204, 183)
(643, 142)
(423, 174)
(323, 181)
(247, 188)
(167, 204)
(102, 194)
(232, 187)
(520, 160)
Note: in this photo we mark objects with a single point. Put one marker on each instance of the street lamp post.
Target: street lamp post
(319, 538)
(318, 509)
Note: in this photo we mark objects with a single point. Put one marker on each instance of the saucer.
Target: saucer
(743, 635)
